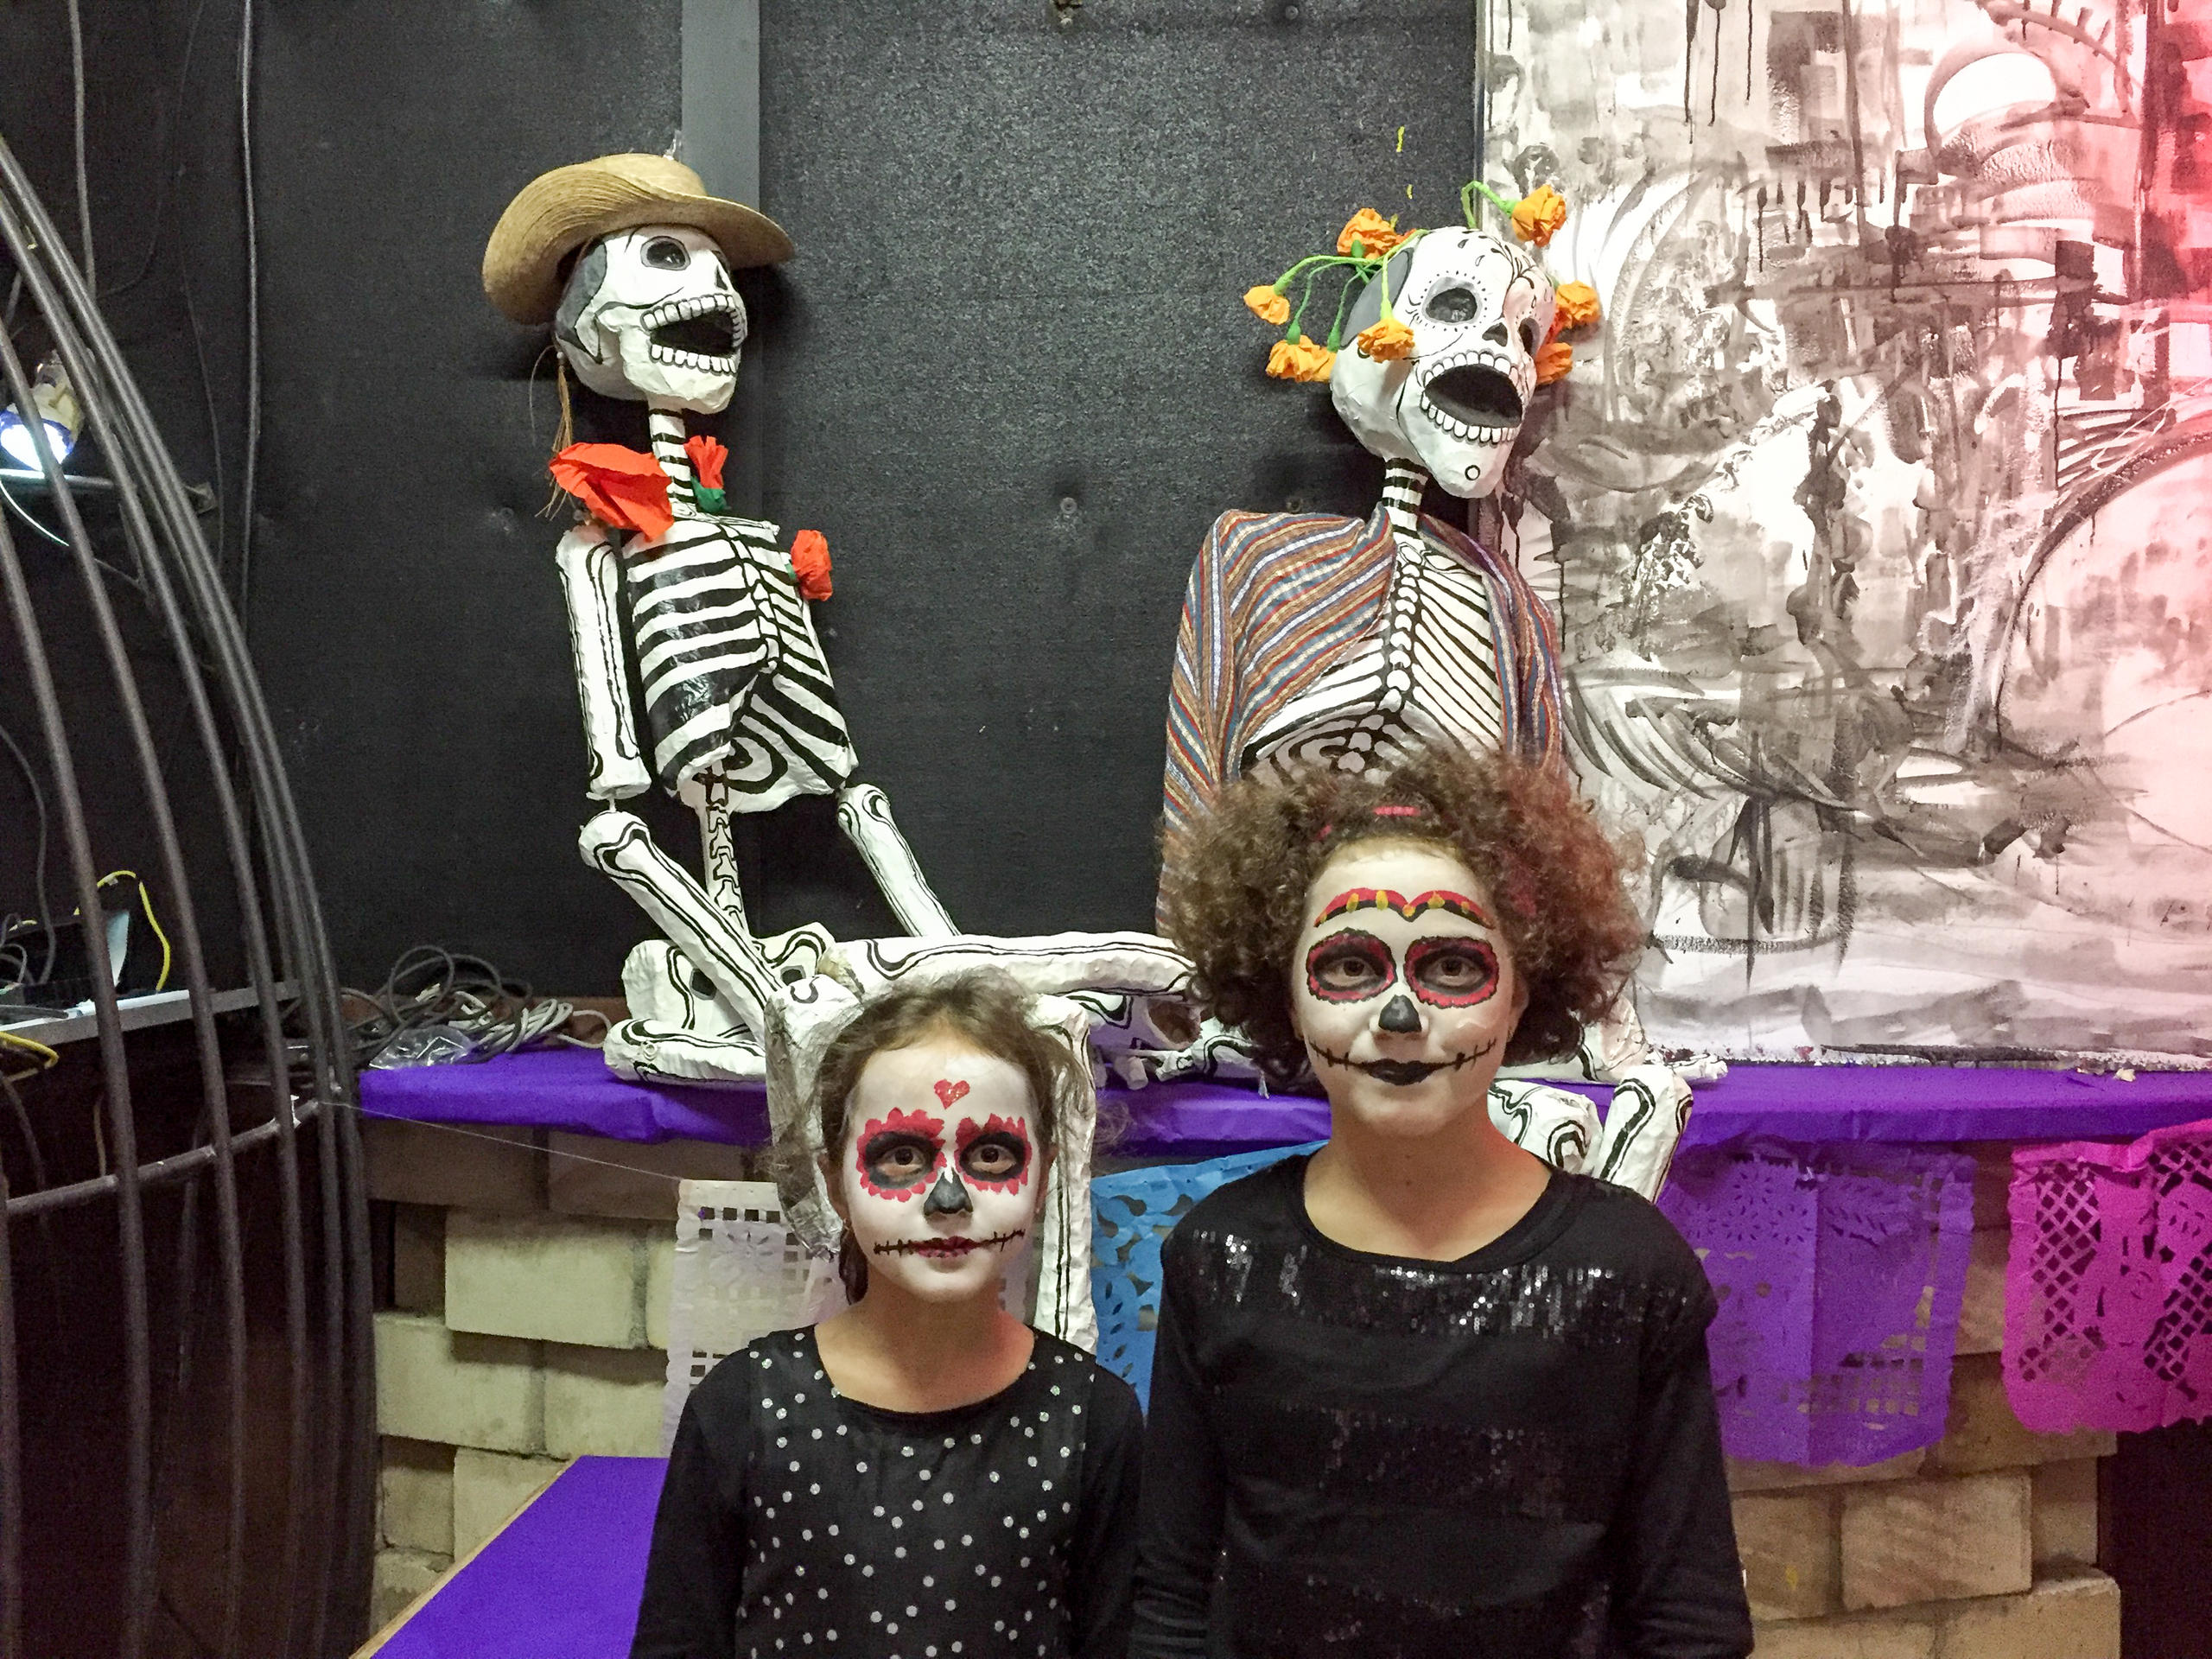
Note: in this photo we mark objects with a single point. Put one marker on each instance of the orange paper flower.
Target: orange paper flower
(1371, 232)
(1577, 305)
(1554, 359)
(810, 559)
(618, 486)
(1267, 305)
(1387, 342)
(1301, 359)
(1538, 215)
(707, 455)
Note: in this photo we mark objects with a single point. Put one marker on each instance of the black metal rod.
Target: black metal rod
(143, 465)
(130, 1221)
(11, 1459)
(160, 1173)
(184, 926)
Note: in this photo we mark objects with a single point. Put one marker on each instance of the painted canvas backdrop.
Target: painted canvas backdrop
(1875, 513)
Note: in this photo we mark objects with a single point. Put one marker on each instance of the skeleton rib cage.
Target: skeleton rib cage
(735, 683)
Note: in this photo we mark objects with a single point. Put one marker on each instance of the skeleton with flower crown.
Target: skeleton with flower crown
(1309, 639)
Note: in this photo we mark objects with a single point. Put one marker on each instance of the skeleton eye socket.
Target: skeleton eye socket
(666, 253)
(895, 1161)
(1528, 336)
(1453, 304)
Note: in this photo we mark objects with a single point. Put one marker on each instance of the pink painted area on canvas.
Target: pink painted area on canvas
(2109, 1291)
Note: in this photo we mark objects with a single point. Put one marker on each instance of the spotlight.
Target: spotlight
(56, 404)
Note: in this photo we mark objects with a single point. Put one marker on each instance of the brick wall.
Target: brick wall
(529, 1325)
(530, 1285)
(1982, 1546)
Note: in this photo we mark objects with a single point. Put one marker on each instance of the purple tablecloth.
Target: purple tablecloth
(563, 1580)
(571, 1088)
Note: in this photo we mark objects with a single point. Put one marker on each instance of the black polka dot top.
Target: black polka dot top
(797, 1522)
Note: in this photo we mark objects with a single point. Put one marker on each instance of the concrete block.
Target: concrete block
(587, 1175)
(1982, 1317)
(603, 1400)
(1883, 1637)
(2065, 1514)
(1786, 1476)
(400, 1579)
(488, 1487)
(1936, 1541)
(660, 1282)
(1992, 1184)
(555, 1278)
(1790, 1548)
(414, 1496)
(418, 1258)
(1982, 1434)
(454, 1167)
(2074, 1616)
(455, 1389)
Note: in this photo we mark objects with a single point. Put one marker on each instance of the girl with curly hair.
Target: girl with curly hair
(1419, 1393)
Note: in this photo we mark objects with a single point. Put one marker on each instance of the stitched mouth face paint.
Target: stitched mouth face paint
(1404, 1003)
(937, 1178)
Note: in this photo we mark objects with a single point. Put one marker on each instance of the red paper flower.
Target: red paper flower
(618, 486)
(707, 455)
(810, 559)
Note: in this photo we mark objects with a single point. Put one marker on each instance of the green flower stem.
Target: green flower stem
(1467, 202)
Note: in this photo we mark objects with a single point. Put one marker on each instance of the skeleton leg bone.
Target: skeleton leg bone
(864, 814)
(618, 845)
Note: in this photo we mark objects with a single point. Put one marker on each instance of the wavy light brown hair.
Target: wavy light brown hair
(985, 1009)
(1237, 881)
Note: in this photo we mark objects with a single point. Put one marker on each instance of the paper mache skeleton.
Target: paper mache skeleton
(628, 258)
(1313, 639)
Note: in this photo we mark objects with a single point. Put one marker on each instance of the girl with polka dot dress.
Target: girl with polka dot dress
(922, 1475)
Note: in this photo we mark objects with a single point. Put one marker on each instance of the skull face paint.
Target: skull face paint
(651, 315)
(1479, 308)
(940, 1177)
(1403, 988)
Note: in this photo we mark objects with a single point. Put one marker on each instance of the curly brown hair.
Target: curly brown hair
(986, 1010)
(1236, 883)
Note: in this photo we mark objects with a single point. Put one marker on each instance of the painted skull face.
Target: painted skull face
(1479, 308)
(1403, 986)
(650, 315)
(941, 1170)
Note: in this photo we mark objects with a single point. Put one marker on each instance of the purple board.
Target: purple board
(562, 1579)
(572, 1090)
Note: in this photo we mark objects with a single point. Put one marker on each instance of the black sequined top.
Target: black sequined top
(797, 1522)
(1511, 1455)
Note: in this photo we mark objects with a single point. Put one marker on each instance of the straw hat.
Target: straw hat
(559, 211)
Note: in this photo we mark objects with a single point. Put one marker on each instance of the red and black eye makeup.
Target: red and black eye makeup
(994, 1153)
(1350, 967)
(899, 1153)
(1451, 973)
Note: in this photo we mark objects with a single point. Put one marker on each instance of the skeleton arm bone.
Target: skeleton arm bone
(591, 581)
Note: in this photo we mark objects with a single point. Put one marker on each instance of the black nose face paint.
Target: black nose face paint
(948, 1198)
(1400, 1015)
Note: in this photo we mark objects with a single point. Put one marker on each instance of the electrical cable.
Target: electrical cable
(24, 514)
(252, 307)
(478, 1014)
(145, 903)
(162, 184)
(38, 1051)
(38, 800)
(84, 192)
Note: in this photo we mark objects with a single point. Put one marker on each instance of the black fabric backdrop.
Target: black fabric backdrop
(1008, 375)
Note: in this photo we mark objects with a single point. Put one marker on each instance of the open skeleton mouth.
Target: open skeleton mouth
(1403, 1074)
(697, 331)
(946, 1248)
(1471, 396)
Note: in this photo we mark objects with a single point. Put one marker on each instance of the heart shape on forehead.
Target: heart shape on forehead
(949, 1091)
